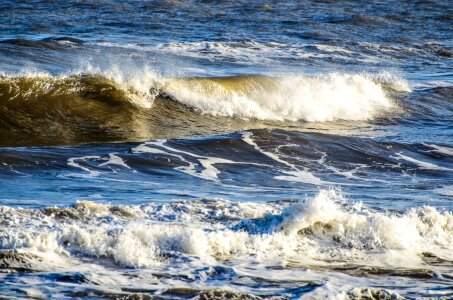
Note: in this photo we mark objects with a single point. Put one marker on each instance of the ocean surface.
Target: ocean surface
(226, 149)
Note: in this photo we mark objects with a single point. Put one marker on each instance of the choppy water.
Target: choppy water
(226, 150)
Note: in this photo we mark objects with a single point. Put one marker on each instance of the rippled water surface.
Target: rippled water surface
(226, 150)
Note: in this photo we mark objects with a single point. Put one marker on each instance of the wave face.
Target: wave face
(75, 107)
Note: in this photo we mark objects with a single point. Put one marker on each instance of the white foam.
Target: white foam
(313, 99)
(73, 163)
(136, 81)
(112, 159)
(254, 52)
(115, 160)
(421, 164)
(320, 230)
(301, 176)
(208, 163)
(441, 149)
(209, 171)
(294, 174)
(319, 98)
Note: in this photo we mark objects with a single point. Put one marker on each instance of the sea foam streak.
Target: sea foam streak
(323, 229)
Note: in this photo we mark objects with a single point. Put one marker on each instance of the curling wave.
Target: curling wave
(322, 98)
(80, 105)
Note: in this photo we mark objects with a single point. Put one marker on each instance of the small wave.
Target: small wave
(50, 43)
(250, 51)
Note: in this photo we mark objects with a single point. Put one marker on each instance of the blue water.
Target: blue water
(219, 150)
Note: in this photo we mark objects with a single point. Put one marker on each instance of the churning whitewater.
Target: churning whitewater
(322, 232)
(226, 150)
(312, 232)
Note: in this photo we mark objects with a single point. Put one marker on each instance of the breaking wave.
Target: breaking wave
(322, 231)
(313, 99)
(117, 106)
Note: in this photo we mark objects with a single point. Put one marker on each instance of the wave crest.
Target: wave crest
(312, 99)
(115, 106)
(94, 87)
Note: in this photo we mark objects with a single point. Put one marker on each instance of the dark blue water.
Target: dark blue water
(226, 150)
